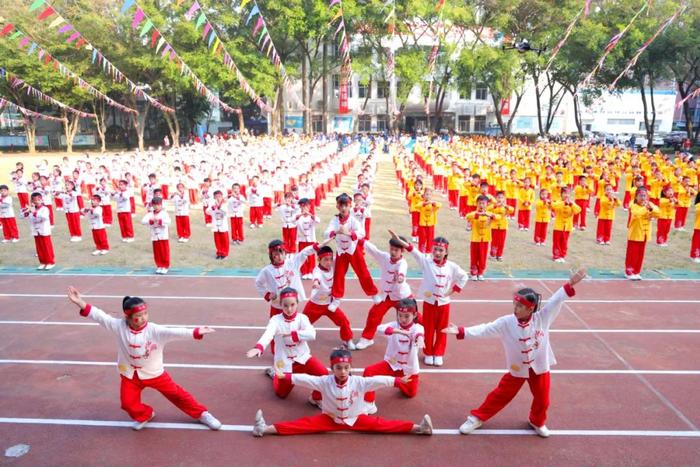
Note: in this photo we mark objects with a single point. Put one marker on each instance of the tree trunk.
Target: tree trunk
(538, 101)
(499, 118)
(514, 110)
(325, 88)
(70, 128)
(686, 108)
(30, 128)
(99, 111)
(280, 106)
(142, 116)
(304, 88)
(173, 126)
(651, 129)
(241, 122)
(646, 107)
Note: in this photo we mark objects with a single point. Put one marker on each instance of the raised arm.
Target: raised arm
(480, 331)
(551, 310)
(92, 312)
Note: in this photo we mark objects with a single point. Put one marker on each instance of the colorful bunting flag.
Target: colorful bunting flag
(46, 13)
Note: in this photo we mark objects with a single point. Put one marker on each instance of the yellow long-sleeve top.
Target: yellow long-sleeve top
(685, 195)
(454, 181)
(655, 187)
(473, 193)
(581, 192)
(564, 215)
(667, 208)
(697, 216)
(501, 222)
(464, 187)
(428, 213)
(639, 229)
(526, 196)
(481, 225)
(511, 189)
(543, 212)
(607, 207)
(416, 199)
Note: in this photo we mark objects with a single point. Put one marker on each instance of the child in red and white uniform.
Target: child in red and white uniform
(343, 405)
(368, 202)
(317, 305)
(149, 189)
(10, 231)
(123, 197)
(40, 226)
(219, 215)
(21, 187)
(99, 233)
(206, 195)
(441, 278)
(56, 182)
(393, 267)
(306, 234)
(359, 210)
(405, 337)
(44, 187)
(288, 213)
(525, 338)
(255, 200)
(72, 208)
(181, 201)
(347, 231)
(158, 221)
(291, 331)
(267, 193)
(105, 202)
(140, 359)
(236, 206)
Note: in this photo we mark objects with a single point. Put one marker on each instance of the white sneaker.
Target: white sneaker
(158, 270)
(15, 240)
(426, 426)
(473, 278)
(314, 402)
(371, 408)
(138, 426)
(696, 260)
(377, 299)
(429, 360)
(4, 240)
(333, 305)
(480, 278)
(209, 420)
(185, 240)
(164, 270)
(95, 253)
(51, 266)
(259, 427)
(363, 343)
(637, 277)
(350, 345)
(437, 360)
(130, 240)
(41, 266)
(125, 240)
(104, 252)
(76, 239)
(472, 423)
(542, 431)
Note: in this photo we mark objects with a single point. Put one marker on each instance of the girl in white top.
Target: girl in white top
(181, 201)
(525, 338)
(140, 359)
(158, 221)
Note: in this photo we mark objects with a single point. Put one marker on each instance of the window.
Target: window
(481, 92)
(336, 86)
(620, 121)
(362, 90)
(479, 124)
(382, 122)
(382, 89)
(642, 127)
(364, 124)
(317, 123)
(464, 123)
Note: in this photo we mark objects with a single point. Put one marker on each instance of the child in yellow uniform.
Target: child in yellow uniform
(526, 196)
(639, 231)
(543, 214)
(415, 200)
(695, 242)
(606, 215)
(454, 182)
(511, 189)
(474, 189)
(481, 236)
(686, 193)
(427, 221)
(564, 212)
(499, 226)
(464, 195)
(667, 210)
(582, 196)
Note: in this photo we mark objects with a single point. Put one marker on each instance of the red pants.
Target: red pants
(634, 258)
(99, 236)
(541, 232)
(161, 253)
(453, 198)
(221, 243)
(323, 423)
(44, 249)
(663, 227)
(463, 206)
(267, 206)
(604, 231)
(50, 208)
(435, 319)
(107, 216)
(627, 199)
(596, 209)
(695, 244)
(81, 203)
(58, 202)
(524, 219)
(477, 256)
(384, 369)
(90, 190)
(313, 366)
(193, 195)
(23, 200)
(357, 261)
(426, 234)
(207, 217)
(513, 203)
(506, 390)
(126, 225)
(681, 216)
(73, 220)
(130, 393)
(375, 316)
(580, 218)
(498, 242)
(9, 228)
(314, 311)
(182, 225)
(415, 219)
(237, 229)
(560, 244)
(289, 237)
(310, 263)
(132, 203)
(368, 227)
(256, 215)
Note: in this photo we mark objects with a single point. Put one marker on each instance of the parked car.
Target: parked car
(675, 139)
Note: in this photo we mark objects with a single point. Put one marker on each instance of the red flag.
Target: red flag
(7, 29)
(46, 13)
(154, 37)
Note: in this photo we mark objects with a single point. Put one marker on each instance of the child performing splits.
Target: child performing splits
(140, 359)
(525, 337)
(344, 408)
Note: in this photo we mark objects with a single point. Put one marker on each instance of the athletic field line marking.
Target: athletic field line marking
(262, 328)
(364, 300)
(437, 431)
(239, 276)
(640, 376)
(357, 370)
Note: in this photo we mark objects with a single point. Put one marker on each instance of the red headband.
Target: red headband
(523, 301)
(442, 244)
(342, 359)
(289, 294)
(324, 254)
(405, 309)
(135, 309)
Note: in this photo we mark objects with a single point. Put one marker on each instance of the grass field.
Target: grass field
(389, 212)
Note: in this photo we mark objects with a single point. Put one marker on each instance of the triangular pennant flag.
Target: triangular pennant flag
(16, 34)
(73, 37)
(46, 13)
(23, 42)
(258, 25)
(193, 9)
(333, 2)
(154, 36)
(7, 29)
(146, 27)
(138, 17)
(337, 15)
(32, 48)
(36, 4)
(94, 55)
(254, 11)
(161, 41)
(216, 46)
(80, 42)
(56, 22)
(244, 3)
(165, 50)
(200, 20)
(212, 36)
(127, 4)
(207, 28)
(65, 28)
(262, 34)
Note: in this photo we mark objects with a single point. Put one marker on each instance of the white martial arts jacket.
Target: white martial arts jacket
(401, 351)
(291, 348)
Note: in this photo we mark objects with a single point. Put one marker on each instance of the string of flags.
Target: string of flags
(164, 48)
(26, 41)
(16, 82)
(432, 58)
(217, 47)
(569, 29)
(28, 113)
(344, 48)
